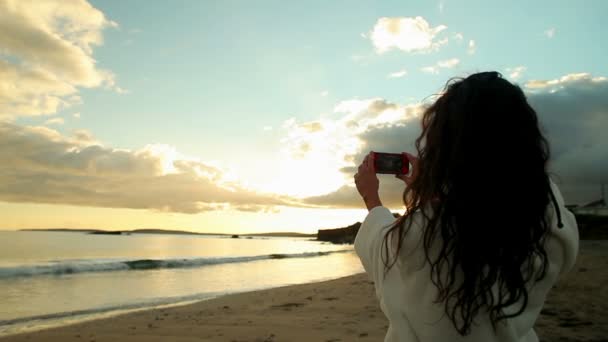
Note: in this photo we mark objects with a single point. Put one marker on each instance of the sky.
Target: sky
(251, 116)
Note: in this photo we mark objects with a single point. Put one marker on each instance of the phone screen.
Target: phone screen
(390, 163)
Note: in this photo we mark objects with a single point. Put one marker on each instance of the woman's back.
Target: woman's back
(407, 297)
(486, 232)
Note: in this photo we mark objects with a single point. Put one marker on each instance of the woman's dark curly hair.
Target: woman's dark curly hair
(483, 190)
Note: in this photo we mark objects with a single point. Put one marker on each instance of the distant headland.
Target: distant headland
(591, 227)
(163, 231)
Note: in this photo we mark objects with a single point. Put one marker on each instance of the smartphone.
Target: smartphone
(391, 163)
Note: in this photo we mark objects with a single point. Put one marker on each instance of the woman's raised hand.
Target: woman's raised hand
(367, 182)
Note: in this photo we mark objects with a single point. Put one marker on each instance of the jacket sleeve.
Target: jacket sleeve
(369, 243)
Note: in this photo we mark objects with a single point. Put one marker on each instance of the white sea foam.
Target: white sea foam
(58, 268)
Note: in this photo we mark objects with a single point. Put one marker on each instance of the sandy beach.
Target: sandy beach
(339, 310)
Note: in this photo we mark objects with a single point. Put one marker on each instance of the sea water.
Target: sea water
(54, 278)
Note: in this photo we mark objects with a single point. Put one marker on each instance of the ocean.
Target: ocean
(55, 278)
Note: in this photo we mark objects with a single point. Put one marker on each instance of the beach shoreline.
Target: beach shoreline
(344, 309)
(236, 317)
(64, 319)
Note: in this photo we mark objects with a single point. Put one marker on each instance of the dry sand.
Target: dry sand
(339, 310)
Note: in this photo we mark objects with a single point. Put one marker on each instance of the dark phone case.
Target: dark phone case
(405, 164)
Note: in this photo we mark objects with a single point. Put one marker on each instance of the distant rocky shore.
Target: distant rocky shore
(345, 235)
(591, 227)
(339, 235)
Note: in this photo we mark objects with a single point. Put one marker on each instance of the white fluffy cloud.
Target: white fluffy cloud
(516, 72)
(472, 47)
(580, 80)
(445, 64)
(431, 69)
(343, 140)
(46, 53)
(550, 33)
(398, 74)
(448, 63)
(54, 121)
(573, 110)
(40, 165)
(406, 34)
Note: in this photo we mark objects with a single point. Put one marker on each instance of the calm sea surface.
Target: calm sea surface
(52, 278)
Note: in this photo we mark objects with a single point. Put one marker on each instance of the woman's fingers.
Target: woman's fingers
(366, 160)
(405, 178)
(409, 178)
(366, 164)
(365, 179)
(364, 167)
(412, 158)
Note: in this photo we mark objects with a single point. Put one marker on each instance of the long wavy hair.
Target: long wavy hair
(483, 190)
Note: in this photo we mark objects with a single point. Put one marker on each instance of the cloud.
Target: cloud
(321, 149)
(396, 136)
(324, 93)
(458, 36)
(550, 33)
(573, 106)
(516, 72)
(338, 142)
(445, 64)
(448, 63)
(472, 47)
(120, 90)
(47, 53)
(430, 69)
(574, 111)
(54, 121)
(40, 165)
(76, 115)
(406, 34)
(398, 74)
(579, 79)
(84, 137)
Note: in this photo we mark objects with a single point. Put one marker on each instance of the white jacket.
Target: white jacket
(407, 294)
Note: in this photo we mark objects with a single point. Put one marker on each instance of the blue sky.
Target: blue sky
(200, 73)
(237, 84)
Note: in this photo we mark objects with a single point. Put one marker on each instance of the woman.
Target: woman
(485, 235)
